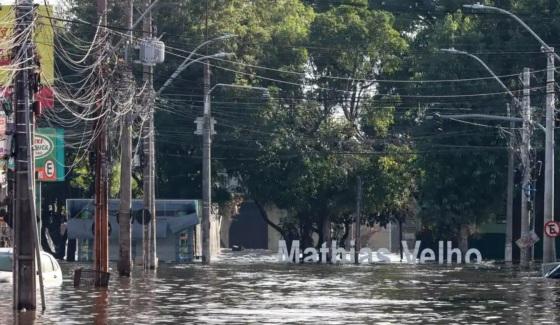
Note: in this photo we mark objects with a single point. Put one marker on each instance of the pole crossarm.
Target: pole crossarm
(479, 6)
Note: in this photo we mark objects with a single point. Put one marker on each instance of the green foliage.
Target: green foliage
(329, 122)
(80, 177)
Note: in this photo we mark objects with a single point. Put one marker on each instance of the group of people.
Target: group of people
(53, 231)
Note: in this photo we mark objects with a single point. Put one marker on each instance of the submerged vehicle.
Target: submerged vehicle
(52, 274)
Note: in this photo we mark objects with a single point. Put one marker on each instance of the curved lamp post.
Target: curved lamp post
(188, 60)
(508, 249)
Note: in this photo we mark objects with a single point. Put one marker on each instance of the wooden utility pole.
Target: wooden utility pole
(510, 184)
(24, 222)
(358, 244)
(149, 245)
(125, 202)
(101, 170)
(526, 183)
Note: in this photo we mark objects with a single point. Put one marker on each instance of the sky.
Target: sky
(11, 2)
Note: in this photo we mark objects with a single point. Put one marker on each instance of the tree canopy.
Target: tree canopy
(354, 88)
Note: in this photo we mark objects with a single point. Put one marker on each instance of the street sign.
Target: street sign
(48, 148)
(528, 240)
(552, 229)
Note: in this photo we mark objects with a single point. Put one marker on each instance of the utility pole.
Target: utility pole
(358, 244)
(206, 160)
(510, 184)
(549, 249)
(206, 169)
(149, 245)
(101, 171)
(125, 259)
(526, 162)
(207, 130)
(24, 222)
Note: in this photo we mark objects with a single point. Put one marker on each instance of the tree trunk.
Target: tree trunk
(347, 237)
(274, 226)
(306, 233)
(400, 238)
(327, 238)
(464, 238)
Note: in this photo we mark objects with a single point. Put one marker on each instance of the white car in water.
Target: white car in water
(52, 275)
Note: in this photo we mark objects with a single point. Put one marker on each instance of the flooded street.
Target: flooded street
(250, 287)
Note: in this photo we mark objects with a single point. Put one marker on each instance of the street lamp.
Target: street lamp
(264, 90)
(188, 63)
(479, 6)
(207, 128)
(513, 97)
(479, 60)
(549, 249)
(188, 60)
(508, 252)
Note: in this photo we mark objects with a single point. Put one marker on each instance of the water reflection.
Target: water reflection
(100, 307)
(252, 288)
(24, 317)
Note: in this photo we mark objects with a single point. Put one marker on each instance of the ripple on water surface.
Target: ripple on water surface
(250, 287)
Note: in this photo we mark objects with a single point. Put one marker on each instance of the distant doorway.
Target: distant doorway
(248, 229)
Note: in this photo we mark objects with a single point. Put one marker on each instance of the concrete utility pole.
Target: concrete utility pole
(206, 168)
(207, 132)
(526, 162)
(508, 254)
(24, 222)
(549, 249)
(101, 172)
(206, 158)
(149, 246)
(358, 244)
(125, 260)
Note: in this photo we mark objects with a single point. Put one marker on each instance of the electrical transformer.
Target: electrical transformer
(152, 51)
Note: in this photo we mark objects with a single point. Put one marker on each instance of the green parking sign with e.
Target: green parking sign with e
(48, 148)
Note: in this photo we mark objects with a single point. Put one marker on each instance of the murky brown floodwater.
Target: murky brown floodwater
(250, 288)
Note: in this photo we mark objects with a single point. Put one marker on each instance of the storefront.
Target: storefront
(175, 228)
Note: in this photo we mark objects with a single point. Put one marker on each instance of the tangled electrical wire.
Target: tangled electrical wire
(93, 90)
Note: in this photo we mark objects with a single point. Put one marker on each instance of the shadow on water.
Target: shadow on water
(251, 287)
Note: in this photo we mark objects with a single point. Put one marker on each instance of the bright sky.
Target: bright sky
(11, 2)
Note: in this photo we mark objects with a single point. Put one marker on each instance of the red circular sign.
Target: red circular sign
(552, 229)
